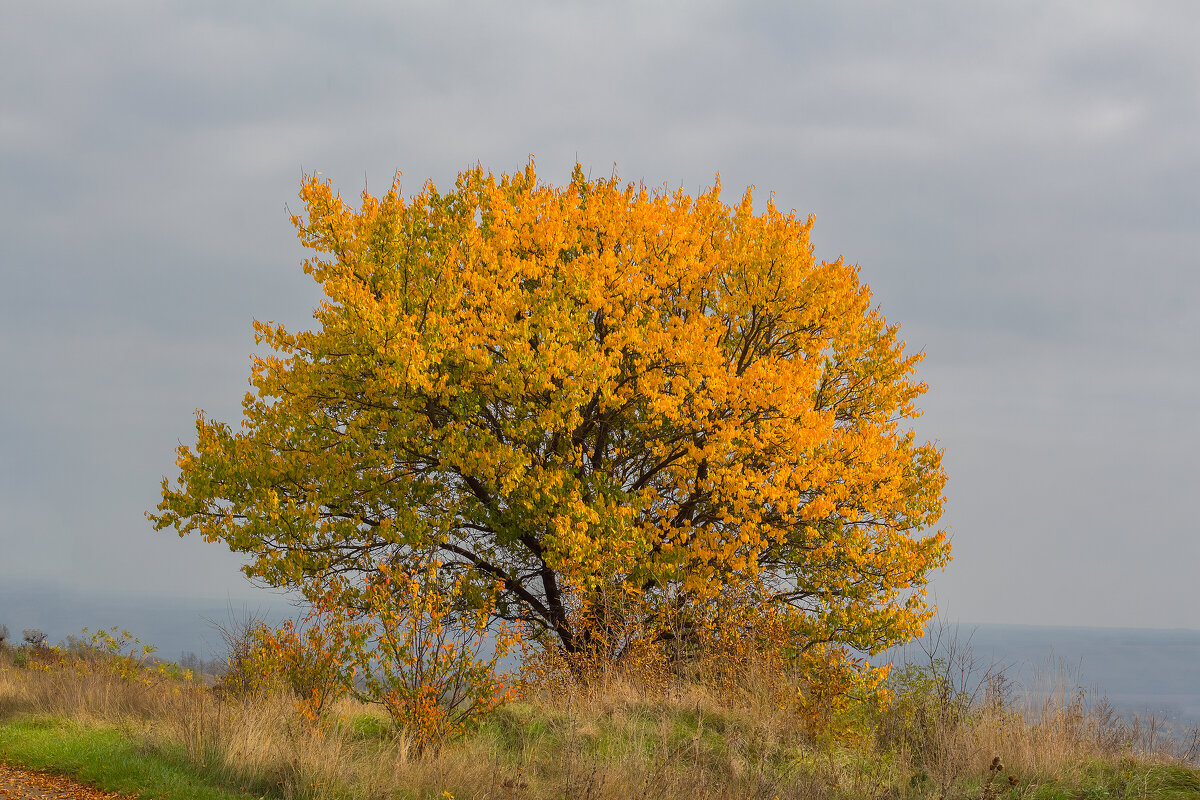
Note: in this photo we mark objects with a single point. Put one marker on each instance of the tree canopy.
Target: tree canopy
(555, 391)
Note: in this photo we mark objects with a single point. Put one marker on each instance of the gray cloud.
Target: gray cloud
(1017, 180)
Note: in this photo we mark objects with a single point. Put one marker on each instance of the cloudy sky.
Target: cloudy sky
(1019, 181)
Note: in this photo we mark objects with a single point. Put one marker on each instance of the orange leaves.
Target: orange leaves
(20, 783)
(556, 390)
(310, 657)
(430, 664)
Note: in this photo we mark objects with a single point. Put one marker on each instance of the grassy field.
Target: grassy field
(947, 734)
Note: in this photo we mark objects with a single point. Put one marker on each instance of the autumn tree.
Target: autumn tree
(561, 394)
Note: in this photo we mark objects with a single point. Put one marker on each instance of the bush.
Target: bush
(311, 658)
(119, 652)
(421, 649)
(247, 670)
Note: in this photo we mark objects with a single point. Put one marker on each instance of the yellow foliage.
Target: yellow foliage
(566, 392)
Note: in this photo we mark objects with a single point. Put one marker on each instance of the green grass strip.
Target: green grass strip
(104, 757)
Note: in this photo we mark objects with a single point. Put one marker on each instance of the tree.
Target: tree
(558, 394)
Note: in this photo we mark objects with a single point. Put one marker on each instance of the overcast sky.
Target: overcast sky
(1019, 181)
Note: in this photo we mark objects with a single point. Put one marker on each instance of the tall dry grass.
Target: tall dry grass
(50, 683)
(616, 738)
(958, 723)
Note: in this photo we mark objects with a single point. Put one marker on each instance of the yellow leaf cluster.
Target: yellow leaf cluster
(566, 390)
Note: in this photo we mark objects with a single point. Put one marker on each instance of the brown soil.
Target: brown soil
(23, 784)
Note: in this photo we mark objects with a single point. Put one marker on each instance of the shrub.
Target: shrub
(311, 657)
(422, 648)
(248, 670)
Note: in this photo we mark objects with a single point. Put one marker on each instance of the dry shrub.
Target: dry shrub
(747, 651)
(306, 657)
(248, 672)
(730, 646)
(309, 656)
(427, 654)
(414, 645)
(618, 646)
(960, 723)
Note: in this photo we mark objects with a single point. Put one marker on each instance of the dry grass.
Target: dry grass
(48, 683)
(961, 725)
(618, 740)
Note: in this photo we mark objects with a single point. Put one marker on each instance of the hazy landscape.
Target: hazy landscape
(103, 716)
(1138, 670)
(599, 479)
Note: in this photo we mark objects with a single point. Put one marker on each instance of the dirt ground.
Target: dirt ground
(21, 784)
